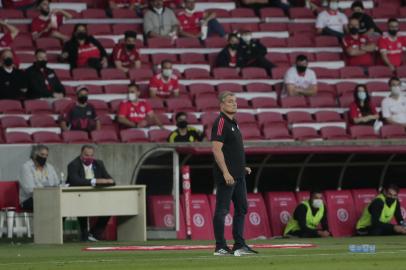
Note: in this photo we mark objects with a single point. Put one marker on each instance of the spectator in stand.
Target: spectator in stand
(359, 49)
(36, 173)
(135, 112)
(125, 55)
(198, 24)
(160, 21)
(135, 5)
(253, 53)
(391, 46)
(48, 22)
(80, 115)
(362, 111)
(300, 80)
(394, 106)
(43, 81)
(164, 84)
(367, 25)
(83, 50)
(256, 5)
(184, 133)
(13, 82)
(230, 56)
(18, 4)
(7, 39)
(332, 22)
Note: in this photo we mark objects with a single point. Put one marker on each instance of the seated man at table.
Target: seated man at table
(85, 170)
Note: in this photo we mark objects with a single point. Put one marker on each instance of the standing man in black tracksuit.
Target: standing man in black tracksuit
(229, 174)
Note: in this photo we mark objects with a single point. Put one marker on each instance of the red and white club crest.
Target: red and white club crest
(198, 220)
(342, 215)
(255, 219)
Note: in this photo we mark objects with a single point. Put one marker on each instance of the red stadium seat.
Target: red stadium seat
(324, 89)
(13, 121)
(164, 119)
(271, 118)
(302, 29)
(159, 57)
(178, 104)
(327, 116)
(63, 74)
(94, 89)
(299, 117)
(133, 135)
(379, 72)
(300, 41)
(225, 73)
(187, 43)
(362, 197)
(243, 118)
(121, 13)
(258, 87)
(112, 74)
(10, 106)
(160, 42)
(9, 195)
(119, 29)
(326, 41)
(75, 136)
(253, 73)
(142, 74)
(278, 58)
(157, 105)
(326, 73)
(322, 102)
(192, 58)
(207, 104)
(11, 14)
(243, 103)
(334, 133)
(352, 72)
(362, 132)
(84, 74)
(242, 13)
(294, 102)
(37, 106)
(301, 13)
(264, 102)
(60, 105)
(215, 42)
(99, 29)
(328, 56)
(46, 137)
(208, 118)
(104, 136)
(253, 27)
(158, 135)
(256, 222)
(116, 89)
(341, 216)
(93, 13)
(199, 88)
(42, 121)
(23, 42)
(377, 87)
(345, 101)
(270, 42)
(196, 74)
(250, 132)
(277, 133)
(105, 120)
(393, 132)
(304, 133)
(271, 13)
(17, 137)
(345, 88)
(232, 87)
(273, 27)
(48, 44)
(382, 12)
(99, 105)
(280, 206)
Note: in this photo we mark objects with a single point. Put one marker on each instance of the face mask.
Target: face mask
(158, 10)
(87, 161)
(167, 72)
(40, 160)
(358, 15)
(8, 62)
(334, 6)
(233, 46)
(81, 35)
(44, 12)
(395, 90)
(41, 63)
(301, 69)
(393, 32)
(389, 201)
(181, 124)
(132, 97)
(82, 99)
(354, 30)
(130, 47)
(362, 96)
(246, 38)
(317, 203)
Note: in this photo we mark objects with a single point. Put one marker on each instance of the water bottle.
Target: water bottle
(362, 248)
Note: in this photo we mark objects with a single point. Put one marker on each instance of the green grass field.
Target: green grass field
(330, 254)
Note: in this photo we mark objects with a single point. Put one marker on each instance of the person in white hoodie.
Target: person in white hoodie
(394, 106)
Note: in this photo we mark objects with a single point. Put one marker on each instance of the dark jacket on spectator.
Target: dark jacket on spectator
(12, 85)
(252, 52)
(223, 58)
(42, 84)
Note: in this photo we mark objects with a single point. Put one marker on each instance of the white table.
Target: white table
(53, 203)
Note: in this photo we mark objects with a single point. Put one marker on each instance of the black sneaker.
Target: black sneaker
(244, 250)
(223, 251)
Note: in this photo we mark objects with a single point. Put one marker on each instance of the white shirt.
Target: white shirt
(89, 174)
(333, 21)
(292, 77)
(394, 108)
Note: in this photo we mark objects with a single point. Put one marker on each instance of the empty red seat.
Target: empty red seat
(99, 105)
(345, 101)
(46, 137)
(236, 27)
(99, 29)
(273, 27)
(276, 133)
(322, 102)
(48, 44)
(362, 132)
(75, 136)
(326, 41)
(345, 88)
(256, 221)
(379, 72)
(215, 42)
(94, 13)
(300, 41)
(60, 105)
(270, 42)
(352, 72)
(115, 89)
(84, 74)
(232, 87)
(104, 136)
(196, 73)
(133, 135)
(327, 116)
(119, 29)
(293, 102)
(393, 132)
(112, 74)
(178, 104)
(142, 74)
(13, 121)
(17, 137)
(192, 58)
(225, 73)
(362, 197)
(299, 117)
(23, 42)
(280, 206)
(159, 57)
(160, 42)
(122, 13)
(326, 73)
(301, 13)
(200, 88)
(243, 118)
(243, 103)
(207, 104)
(42, 120)
(271, 119)
(158, 135)
(264, 102)
(334, 133)
(253, 73)
(341, 216)
(304, 133)
(187, 43)
(242, 12)
(250, 132)
(271, 13)
(377, 87)
(10, 106)
(63, 74)
(37, 106)
(11, 13)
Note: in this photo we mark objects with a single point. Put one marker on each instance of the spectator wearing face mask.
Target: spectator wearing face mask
(198, 24)
(13, 82)
(253, 53)
(164, 84)
(300, 80)
(48, 22)
(83, 50)
(80, 115)
(36, 173)
(43, 81)
(125, 55)
(184, 133)
(332, 22)
(160, 21)
(230, 56)
(362, 111)
(358, 48)
(394, 106)
(307, 217)
(367, 25)
(391, 46)
(135, 112)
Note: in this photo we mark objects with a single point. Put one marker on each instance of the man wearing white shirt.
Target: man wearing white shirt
(332, 22)
(394, 106)
(300, 80)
